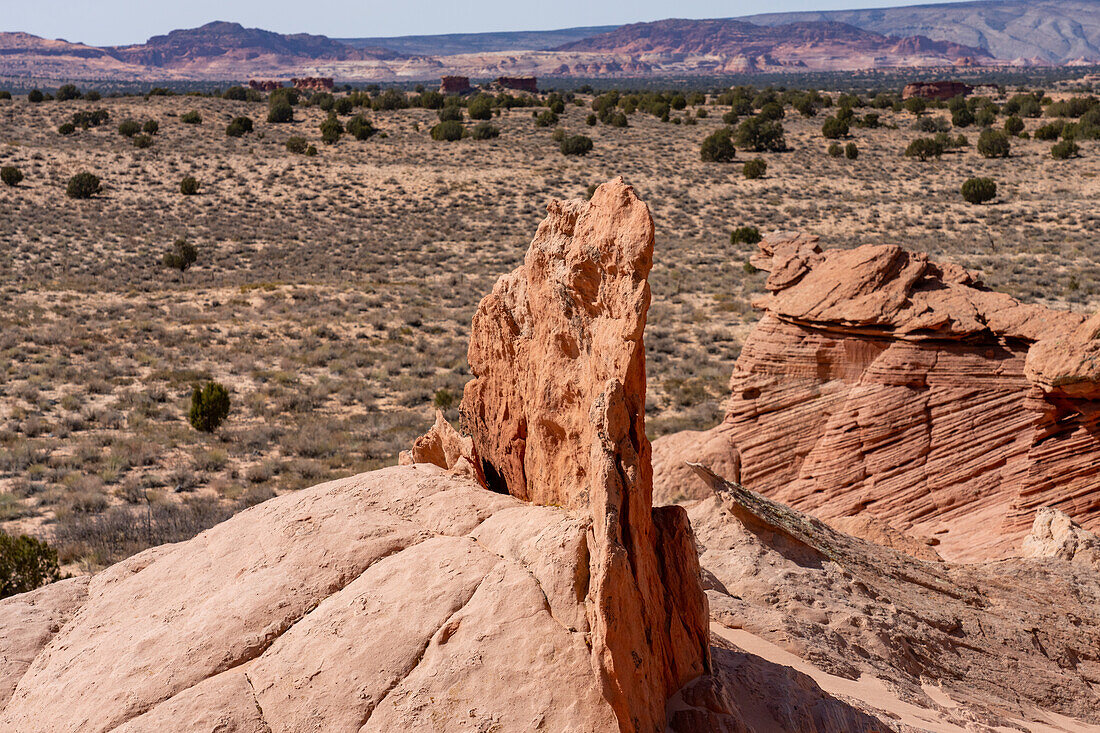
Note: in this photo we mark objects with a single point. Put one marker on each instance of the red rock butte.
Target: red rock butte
(938, 89)
(879, 382)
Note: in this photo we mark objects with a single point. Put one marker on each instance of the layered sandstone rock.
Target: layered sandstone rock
(881, 382)
(930, 645)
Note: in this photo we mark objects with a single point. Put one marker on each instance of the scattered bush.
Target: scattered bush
(450, 113)
(962, 117)
(548, 118)
(129, 128)
(448, 130)
(1065, 150)
(576, 145)
(916, 106)
(151, 127)
(4, 95)
(66, 128)
(484, 131)
(189, 186)
(755, 168)
(181, 256)
(1051, 130)
(932, 124)
(83, 186)
(745, 235)
(360, 128)
(480, 107)
(142, 141)
(590, 120)
(979, 190)
(851, 152)
(924, 148)
(835, 150)
(296, 144)
(90, 118)
(280, 111)
(209, 406)
(993, 144)
(66, 92)
(191, 118)
(331, 129)
(239, 126)
(35, 96)
(834, 128)
(759, 135)
(10, 175)
(1014, 126)
(25, 564)
(717, 147)
(772, 111)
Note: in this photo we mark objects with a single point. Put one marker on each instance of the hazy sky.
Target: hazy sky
(116, 22)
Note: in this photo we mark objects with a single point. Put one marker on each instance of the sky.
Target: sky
(118, 22)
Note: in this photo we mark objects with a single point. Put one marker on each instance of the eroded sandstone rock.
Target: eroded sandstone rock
(880, 382)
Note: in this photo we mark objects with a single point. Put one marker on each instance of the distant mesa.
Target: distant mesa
(936, 90)
(455, 85)
(518, 83)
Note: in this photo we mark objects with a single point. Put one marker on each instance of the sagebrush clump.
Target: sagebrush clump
(209, 406)
(979, 190)
(83, 186)
(181, 256)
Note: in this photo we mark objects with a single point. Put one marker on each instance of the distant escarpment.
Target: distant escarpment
(881, 383)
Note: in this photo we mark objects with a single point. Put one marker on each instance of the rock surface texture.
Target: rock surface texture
(950, 647)
(556, 413)
(880, 382)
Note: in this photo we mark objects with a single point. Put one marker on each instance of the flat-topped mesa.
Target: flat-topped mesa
(556, 416)
(881, 382)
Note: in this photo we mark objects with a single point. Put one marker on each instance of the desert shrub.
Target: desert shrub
(546, 118)
(343, 106)
(590, 120)
(151, 127)
(1014, 126)
(993, 144)
(932, 124)
(979, 190)
(745, 235)
(189, 186)
(759, 135)
(851, 152)
(390, 99)
(448, 130)
(296, 144)
(617, 119)
(871, 121)
(835, 150)
(484, 131)
(772, 111)
(290, 95)
(961, 141)
(181, 256)
(129, 128)
(1051, 130)
(239, 126)
(66, 128)
(1065, 150)
(576, 145)
(924, 148)
(25, 564)
(985, 117)
(730, 118)
(280, 111)
(1072, 107)
(755, 168)
(191, 118)
(35, 96)
(331, 129)
(90, 118)
(480, 107)
(311, 151)
(5, 94)
(834, 128)
(915, 105)
(360, 128)
(962, 117)
(66, 92)
(83, 186)
(142, 141)
(558, 134)
(718, 147)
(10, 175)
(450, 113)
(237, 94)
(209, 406)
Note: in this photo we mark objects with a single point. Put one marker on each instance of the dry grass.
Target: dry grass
(333, 294)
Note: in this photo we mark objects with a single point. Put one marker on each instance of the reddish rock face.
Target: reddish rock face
(884, 383)
(938, 89)
(264, 85)
(316, 83)
(557, 416)
(519, 83)
(454, 85)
